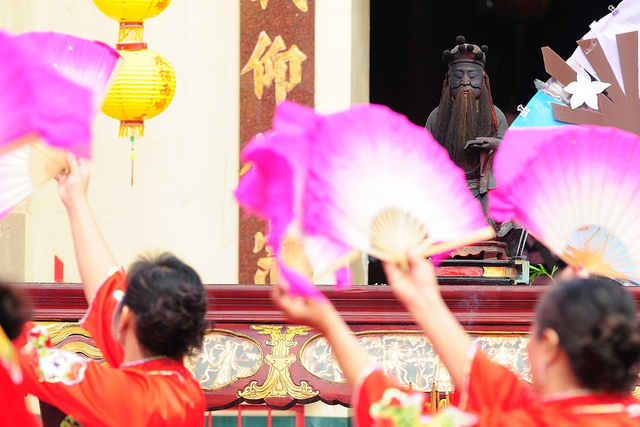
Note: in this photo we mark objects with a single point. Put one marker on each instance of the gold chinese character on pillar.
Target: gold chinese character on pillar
(270, 62)
(277, 63)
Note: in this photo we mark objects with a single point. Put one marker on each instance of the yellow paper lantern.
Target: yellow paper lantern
(131, 10)
(131, 14)
(144, 88)
(147, 82)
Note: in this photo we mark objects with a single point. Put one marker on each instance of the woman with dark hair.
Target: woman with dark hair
(144, 322)
(584, 354)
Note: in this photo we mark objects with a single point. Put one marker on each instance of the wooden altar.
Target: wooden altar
(252, 355)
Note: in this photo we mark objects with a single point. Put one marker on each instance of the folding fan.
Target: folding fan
(577, 190)
(89, 64)
(380, 184)
(24, 170)
(37, 102)
(272, 188)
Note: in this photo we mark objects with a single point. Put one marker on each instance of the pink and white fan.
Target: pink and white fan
(273, 188)
(577, 190)
(89, 66)
(380, 184)
(37, 103)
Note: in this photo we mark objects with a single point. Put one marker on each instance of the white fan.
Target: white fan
(381, 184)
(26, 169)
(365, 179)
(577, 190)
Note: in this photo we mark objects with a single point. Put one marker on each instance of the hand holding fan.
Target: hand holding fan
(577, 190)
(380, 184)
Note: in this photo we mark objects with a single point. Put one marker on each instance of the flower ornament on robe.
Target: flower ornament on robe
(401, 409)
(585, 91)
(52, 364)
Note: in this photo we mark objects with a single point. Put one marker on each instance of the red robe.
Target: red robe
(497, 397)
(12, 393)
(152, 392)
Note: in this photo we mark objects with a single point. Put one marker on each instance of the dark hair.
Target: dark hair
(170, 302)
(598, 328)
(14, 311)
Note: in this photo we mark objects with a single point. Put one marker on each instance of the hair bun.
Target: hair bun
(175, 325)
(611, 352)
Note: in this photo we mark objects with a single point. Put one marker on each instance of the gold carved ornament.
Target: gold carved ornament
(266, 265)
(58, 332)
(279, 382)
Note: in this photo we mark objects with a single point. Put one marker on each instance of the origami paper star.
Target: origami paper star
(585, 91)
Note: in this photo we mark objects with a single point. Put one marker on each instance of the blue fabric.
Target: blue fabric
(540, 113)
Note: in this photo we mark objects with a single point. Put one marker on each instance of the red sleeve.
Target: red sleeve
(98, 320)
(492, 388)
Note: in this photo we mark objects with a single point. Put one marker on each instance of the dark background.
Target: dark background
(408, 37)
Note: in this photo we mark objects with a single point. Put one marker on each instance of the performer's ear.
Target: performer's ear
(549, 345)
(126, 321)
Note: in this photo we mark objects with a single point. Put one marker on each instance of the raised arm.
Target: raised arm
(322, 316)
(418, 290)
(92, 253)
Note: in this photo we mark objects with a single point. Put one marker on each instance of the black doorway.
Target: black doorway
(408, 37)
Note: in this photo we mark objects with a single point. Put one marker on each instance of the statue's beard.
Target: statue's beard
(462, 127)
(467, 120)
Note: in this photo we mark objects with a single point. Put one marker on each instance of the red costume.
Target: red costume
(499, 398)
(12, 391)
(157, 391)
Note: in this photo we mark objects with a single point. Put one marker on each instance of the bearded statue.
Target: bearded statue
(467, 123)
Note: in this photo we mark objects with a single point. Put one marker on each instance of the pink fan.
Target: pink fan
(272, 189)
(89, 64)
(37, 102)
(380, 184)
(577, 190)
(85, 66)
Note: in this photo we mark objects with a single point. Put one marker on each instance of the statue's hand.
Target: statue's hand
(481, 143)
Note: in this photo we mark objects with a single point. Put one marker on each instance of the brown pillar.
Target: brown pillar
(277, 40)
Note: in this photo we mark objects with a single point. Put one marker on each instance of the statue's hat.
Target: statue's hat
(465, 52)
